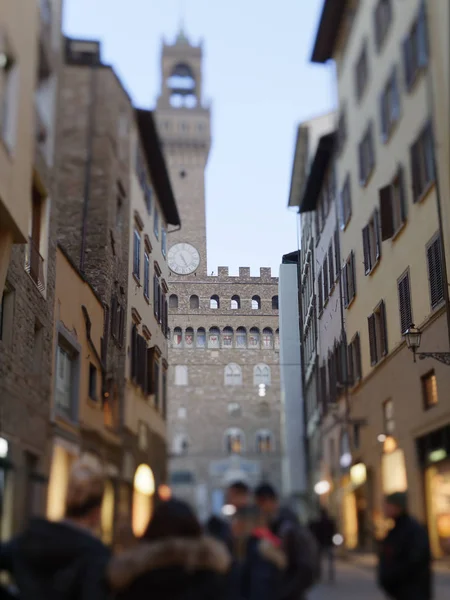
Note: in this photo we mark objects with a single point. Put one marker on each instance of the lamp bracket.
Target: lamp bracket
(443, 357)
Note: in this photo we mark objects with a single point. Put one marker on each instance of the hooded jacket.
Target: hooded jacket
(56, 561)
(171, 569)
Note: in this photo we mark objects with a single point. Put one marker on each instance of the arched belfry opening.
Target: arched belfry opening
(182, 86)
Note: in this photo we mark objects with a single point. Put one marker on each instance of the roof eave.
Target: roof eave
(330, 21)
(319, 166)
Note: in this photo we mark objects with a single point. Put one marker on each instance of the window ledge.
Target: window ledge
(136, 279)
(372, 270)
(386, 137)
(351, 302)
(343, 226)
(399, 231)
(425, 193)
(147, 299)
(365, 182)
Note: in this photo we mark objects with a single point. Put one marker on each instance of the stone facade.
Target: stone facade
(202, 407)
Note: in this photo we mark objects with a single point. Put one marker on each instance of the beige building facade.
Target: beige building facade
(223, 377)
(389, 161)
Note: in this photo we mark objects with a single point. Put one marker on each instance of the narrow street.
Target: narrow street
(357, 583)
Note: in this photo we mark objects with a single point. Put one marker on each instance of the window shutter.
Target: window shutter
(408, 62)
(383, 114)
(415, 171)
(155, 297)
(331, 264)
(371, 149)
(376, 224)
(337, 253)
(160, 320)
(362, 177)
(144, 364)
(422, 38)
(404, 297)
(320, 291)
(345, 275)
(386, 212)
(352, 282)
(325, 280)
(383, 329)
(402, 193)
(166, 324)
(134, 352)
(113, 317)
(435, 273)
(149, 380)
(350, 363)
(366, 248)
(372, 340)
(395, 96)
(358, 365)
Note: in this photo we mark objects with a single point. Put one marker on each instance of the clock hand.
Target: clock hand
(184, 260)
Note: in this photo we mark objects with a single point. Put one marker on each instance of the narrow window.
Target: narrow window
(34, 264)
(233, 374)
(362, 72)
(146, 275)
(382, 19)
(164, 241)
(65, 380)
(404, 303)
(366, 151)
(241, 337)
(137, 254)
(435, 278)
(201, 338)
(389, 106)
(372, 243)
(331, 265)
(326, 287)
(256, 303)
(388, 417)
(214, 302)
(38, 346)
(156, 224)
(415, 48)
(430, 390)
(261, 375)
(264, 442)
(214, 338)
(342, 131)
(227, 337)
(234, 441)
(7, 315)
(173, 301)
(253, 338)
(378, 334)
(393, 207)
(9, 87)
(189, 337)
(354, 360)
(194, 302)
(422, 167)
(274, 302)
(267, 339)
(345, 204)
(148, 195)
(235, 303)
(92, 382)
(156, 383)
(320, 291)
(349, 280)
(177, 340)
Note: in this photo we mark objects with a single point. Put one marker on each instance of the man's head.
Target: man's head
(85, 494)
(395, 505)
(267, 499)
(246, 519)
(238, 494)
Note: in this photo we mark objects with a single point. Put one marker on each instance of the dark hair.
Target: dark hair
(265, 491)
(239, 486)
(248, 512)
(82, 510)
(173, 518)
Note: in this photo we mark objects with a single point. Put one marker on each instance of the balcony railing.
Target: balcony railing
(34, 265)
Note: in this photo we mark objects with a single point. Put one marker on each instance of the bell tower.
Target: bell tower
(184, 128)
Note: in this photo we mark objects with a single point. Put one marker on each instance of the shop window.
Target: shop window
(233, 374)
(264, 442)
(143, 492)
(241, 337)
(201, 338)
(234, 441)
(430, 390)
(194, 302)
(227, 337)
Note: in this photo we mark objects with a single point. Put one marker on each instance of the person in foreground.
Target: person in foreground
(173, 560)
(298, 543)
(63, 560)
(404, 571)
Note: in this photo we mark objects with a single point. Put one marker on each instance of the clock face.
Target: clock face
(183, 259)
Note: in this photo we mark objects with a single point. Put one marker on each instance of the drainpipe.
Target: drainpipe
(88, 166)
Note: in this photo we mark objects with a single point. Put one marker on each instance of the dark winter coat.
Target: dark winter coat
(404, 571)
(56, 561)
(220, 530)
(262, 567)
(171, 569)
(324, 529)
(302, 553)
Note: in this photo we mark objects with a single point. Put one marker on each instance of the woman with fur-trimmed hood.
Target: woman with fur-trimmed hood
(172, 561)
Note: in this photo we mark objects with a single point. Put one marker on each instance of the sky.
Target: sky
(261, 85)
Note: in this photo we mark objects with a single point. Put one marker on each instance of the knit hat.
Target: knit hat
(399, 499)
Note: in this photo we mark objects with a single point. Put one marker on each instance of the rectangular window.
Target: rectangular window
(181, 375)
(435, 272)
(342, 131)
(64, 380)
(430, 391)
(156, 382)
(422, 163)
(320, 291)
(164, 241)
(404, 302)
(148, 194)
(164, 394)
(156, 298)
(388, 417)
(372, 243)
(156, 224)
(146, 275)
(383, 19)
(331, 265)
(366, 153)
(92, 382)
(7, 315)
(378, 334)
(389, 106)
(349, 283)
(354, 360)
(393, 208)
(337, 257)
(34, 263)
(345, 203)
(9, 88)
(362, 73)
(326, 287)
(137, 254)
(415, 48)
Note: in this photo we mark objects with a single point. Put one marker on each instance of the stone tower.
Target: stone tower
(224, 377)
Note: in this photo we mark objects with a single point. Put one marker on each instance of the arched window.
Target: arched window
(235, 303)
(189, 338)
(261, 374)
(241, 337)
(227, 337)
(214, 302)
(264, 441)
(214, 338)
(194, 302)
(277, 339)
(180, 445)
(253, 339)
(177, 337)
(234, 441)
(201, 337)
(173, 301)
(181, 375)
(256, 303)
(274, 302)
(267, 338)
(233, 374)
(234, 409)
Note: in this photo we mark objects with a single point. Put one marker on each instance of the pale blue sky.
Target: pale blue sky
(258, 76)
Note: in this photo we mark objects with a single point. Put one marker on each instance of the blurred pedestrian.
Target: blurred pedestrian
(173, 560)
(297, 541)
(324, 530)
(63, 560)
(404, 571)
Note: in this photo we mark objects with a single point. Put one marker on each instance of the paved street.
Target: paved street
(357, 583)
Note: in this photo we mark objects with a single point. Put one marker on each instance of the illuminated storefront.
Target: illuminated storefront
(63, 457)
(143, 497)
(393, 468)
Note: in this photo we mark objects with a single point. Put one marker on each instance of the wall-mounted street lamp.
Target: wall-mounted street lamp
(413, 338)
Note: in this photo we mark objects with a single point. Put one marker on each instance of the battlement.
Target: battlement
(223, 273)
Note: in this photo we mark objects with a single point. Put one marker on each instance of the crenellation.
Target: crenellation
(244, 272)
(265, 273)
(222, 272)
